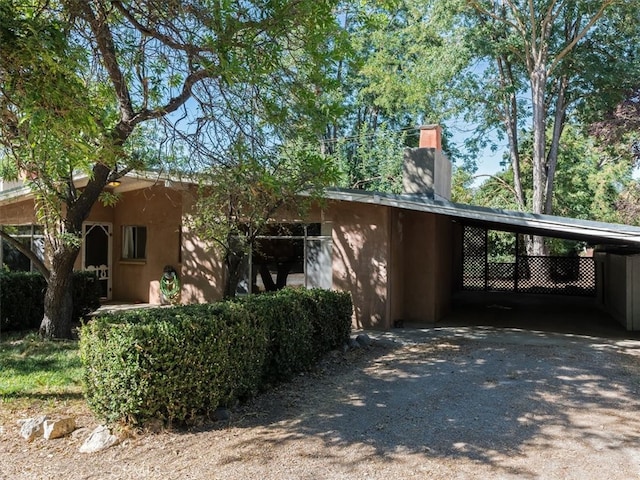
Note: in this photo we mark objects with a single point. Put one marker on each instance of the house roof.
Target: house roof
(493, 218)
(134, 180)
(498, 219)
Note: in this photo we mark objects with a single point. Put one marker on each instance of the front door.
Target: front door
(96, 254)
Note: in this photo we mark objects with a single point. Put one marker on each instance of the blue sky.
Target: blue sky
(487, 160)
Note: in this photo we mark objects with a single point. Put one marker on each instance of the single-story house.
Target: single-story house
(402, 257)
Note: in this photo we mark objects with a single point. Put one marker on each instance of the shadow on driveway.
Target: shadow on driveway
(500, 398)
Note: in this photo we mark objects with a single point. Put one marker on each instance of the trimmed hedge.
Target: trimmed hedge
(22, 298)
(170, 363)
(302, 325)
(175, 363)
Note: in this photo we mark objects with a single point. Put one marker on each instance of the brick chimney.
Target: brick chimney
(430, 137)
(426, 169)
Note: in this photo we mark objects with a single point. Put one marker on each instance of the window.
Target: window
(31, 236)
(134, 243)
(290, 255)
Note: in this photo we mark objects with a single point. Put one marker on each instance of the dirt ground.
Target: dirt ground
(442, 403)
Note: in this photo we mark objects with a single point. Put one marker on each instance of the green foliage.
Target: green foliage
(22, 298)
(330, 314)
(302, 325)
(237, 199)
(588, 181)
(97, 88)
(391, 79)
(179, 362)
(372, 160)
(540, 66)
(171, 363)
(290, 333)
(33, 368)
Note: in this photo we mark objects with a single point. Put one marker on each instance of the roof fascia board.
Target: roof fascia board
(529, 221)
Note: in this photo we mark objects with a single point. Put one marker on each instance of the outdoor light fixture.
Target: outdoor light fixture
(114, 183)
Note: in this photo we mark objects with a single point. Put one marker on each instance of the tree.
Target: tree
(389, 83)
(563, 55)
(588, 181)
(80, 79)
(237, 199)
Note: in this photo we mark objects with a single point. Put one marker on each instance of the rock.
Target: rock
(364, 340)
(32, 428)
(58, 428)
(100, 439)
(81, 433)
(353, 343)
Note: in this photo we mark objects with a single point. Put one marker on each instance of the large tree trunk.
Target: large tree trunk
(62, 254)
(58, 300)
(552, 158)
(538, 84)
(233, 262)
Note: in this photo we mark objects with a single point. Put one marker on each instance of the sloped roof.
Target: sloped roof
(498, 219)
(493, 218)
(134, 180)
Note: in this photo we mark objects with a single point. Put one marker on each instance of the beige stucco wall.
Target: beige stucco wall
(396, 264)
(19, 213)
(360, 259)
(202, 269)
(160, 210)
(421, 267)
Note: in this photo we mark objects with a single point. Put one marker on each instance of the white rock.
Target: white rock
(58, 428)
(32, 428)
(100, 439)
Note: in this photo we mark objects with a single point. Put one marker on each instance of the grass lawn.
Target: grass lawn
(38, 375)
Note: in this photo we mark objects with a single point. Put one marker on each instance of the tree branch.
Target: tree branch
(580, 35)
(174, 103)
(27, 252)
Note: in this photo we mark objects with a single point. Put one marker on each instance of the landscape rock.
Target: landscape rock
(100, 439)
(59, 428)
(364, 340)
(80, 433)
(353, 343)
(32, 428)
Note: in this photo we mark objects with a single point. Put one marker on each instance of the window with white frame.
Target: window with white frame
(134, 242)
(15, 261)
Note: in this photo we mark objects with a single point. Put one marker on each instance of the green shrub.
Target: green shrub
(22, 298)
(171, 363)
(302, 326)
(289, 329)
(331, 319)
(179, 362)
(86, 293)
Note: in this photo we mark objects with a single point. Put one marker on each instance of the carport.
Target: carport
(599, 284)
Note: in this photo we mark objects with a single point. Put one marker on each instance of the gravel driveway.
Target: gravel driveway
(441, 403)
